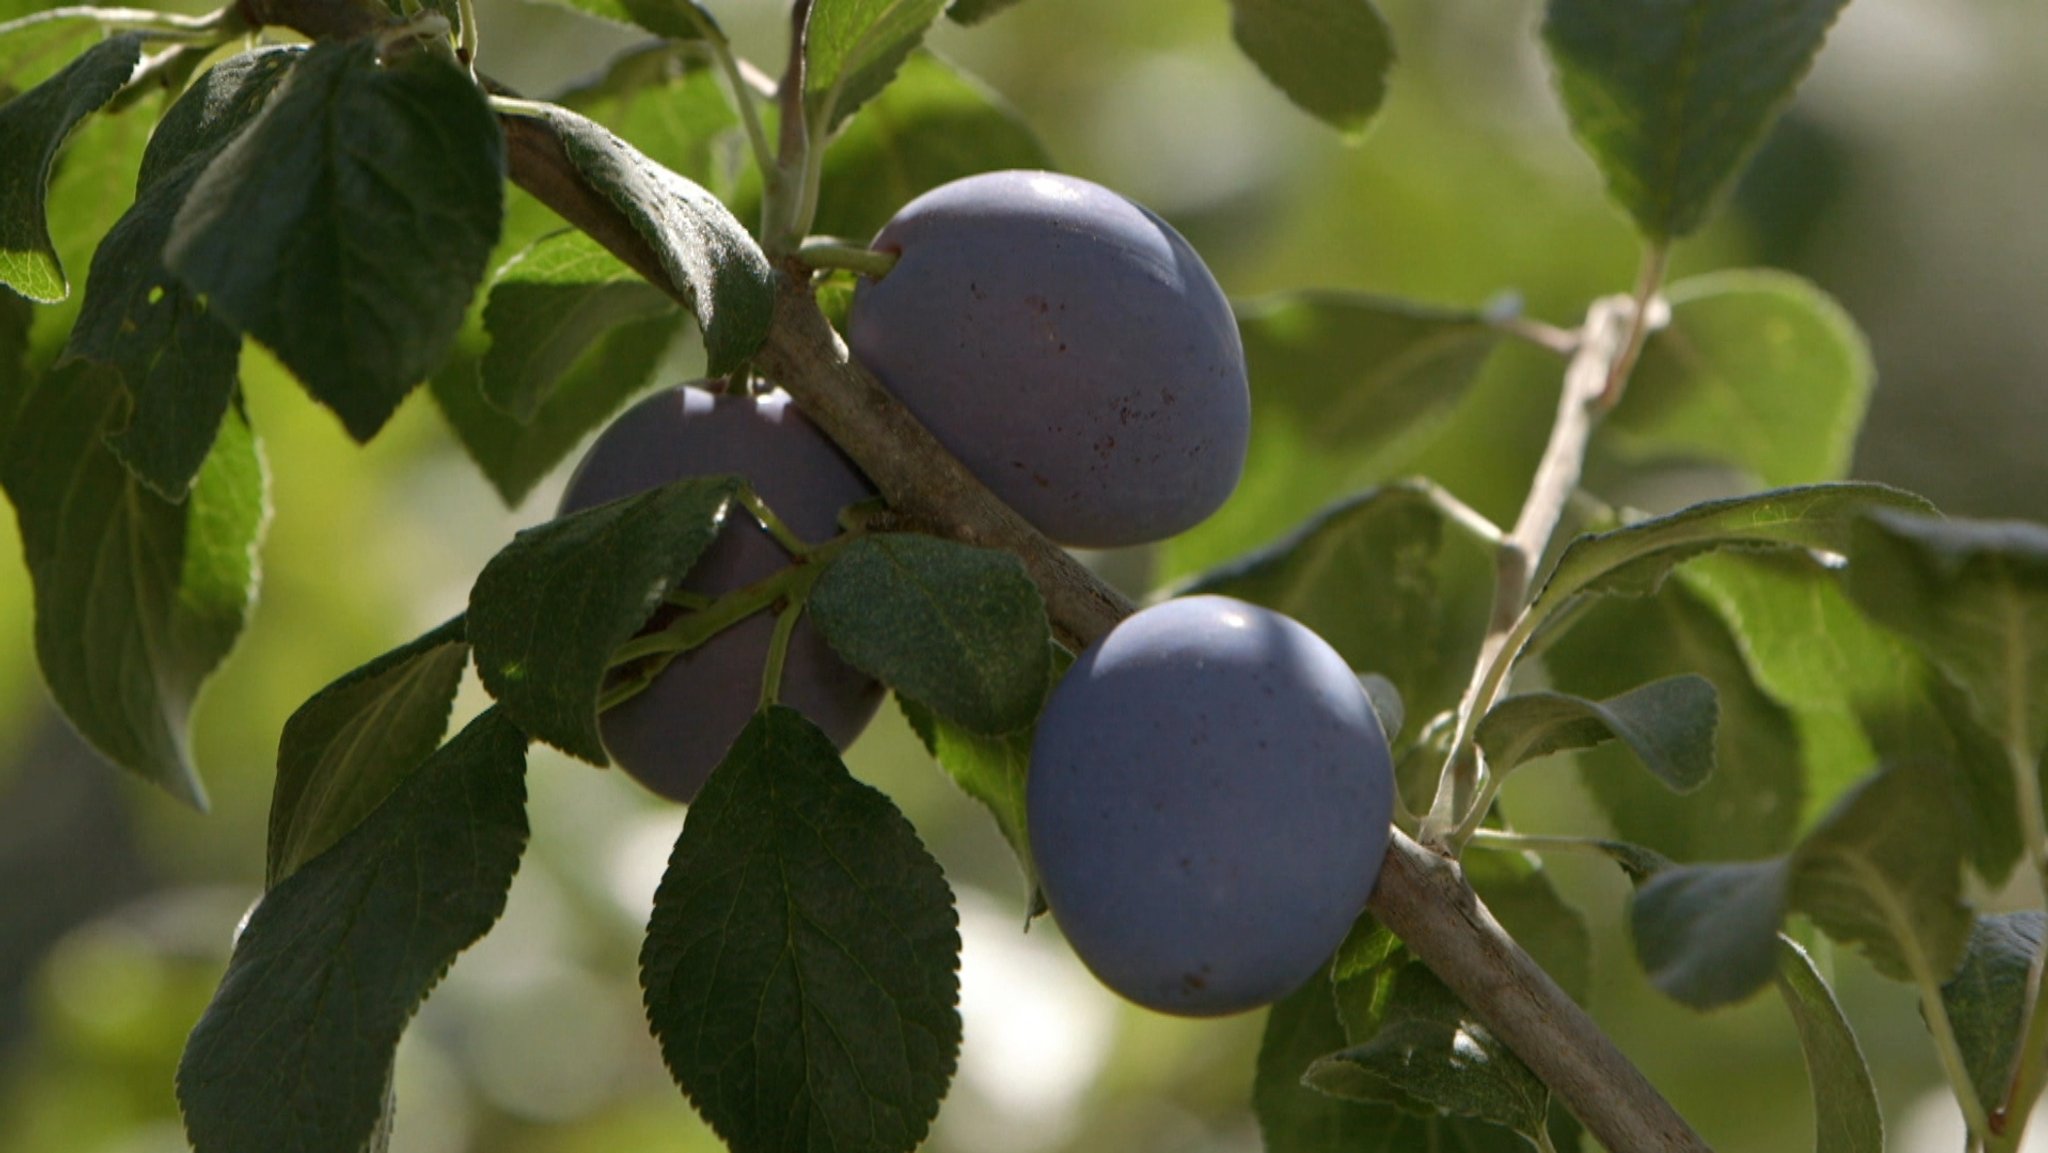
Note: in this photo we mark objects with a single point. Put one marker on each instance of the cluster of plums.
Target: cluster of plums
(1210, 790)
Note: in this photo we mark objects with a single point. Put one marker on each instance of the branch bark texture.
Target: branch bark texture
(1421, 896)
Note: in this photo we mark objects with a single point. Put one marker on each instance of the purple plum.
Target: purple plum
(1068, 346)
(1208, 805)
(672, 735)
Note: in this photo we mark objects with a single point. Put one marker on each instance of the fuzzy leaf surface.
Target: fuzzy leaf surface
(960, 630)
(712, 262)
(1669, 724)
(296, 1050)
(1987, 997)
(1672, 97)
(349, 225)
(800, 964)
(549, 609)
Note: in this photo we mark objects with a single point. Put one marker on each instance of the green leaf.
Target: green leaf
(1846, 1115)
(1429, 1054)
(348, 747)
(1707, 934)
(296, 1048)
(1758, 369)
(1331, 57)
(1399, 580)
(33, 127)
(673, 19)
(800, 964)
(958, 629)
(137, 599)
(853, 49)
(515, 456)
(975, 11)
(1672, 97)
(1294, 1118)
(1972, 596)
(549, 609)
(933, 125)
(992, 770)
(1633, 561)
(17, 316)
(1345, 388)
(349, 225)
(664, 99)
(176, 360)
(1751, 806)
(716, 268)
(1859, 694)
(1883, 871)
(1986, 999)
(548, 307)
(1669, 724)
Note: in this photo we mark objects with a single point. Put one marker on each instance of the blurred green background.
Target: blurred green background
(1906, 180)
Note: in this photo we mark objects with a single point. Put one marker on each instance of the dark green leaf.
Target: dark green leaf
(1669, 724)
(718, 270)
(348, 747)
(1987, 998)
(549, 307)
(1517, 889)
(516, 456)
(1972, 596)
(1751, 806)
(349, 225)
(958, 629)
(931, 126)
(549, 609)
(1757, 369)
(992, 770)
(16, 317)
(1429, 1054)
(1331, 57)
(1884, 871)
(175, 358)
(1707, 935)
(137, 599)
(1634, 560)
(976, 11)
(673, 19)
(799, 967)
(296, 1048)
(1421, 565)
(1345, 387)
(33, 127)
(1860, 694)
(1294, 1118)
(853, 50)
(1672, 97)
(1846, 1115)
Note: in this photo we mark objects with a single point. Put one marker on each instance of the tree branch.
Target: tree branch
(1420, 896)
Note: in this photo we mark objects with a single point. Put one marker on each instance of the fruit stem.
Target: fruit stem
(774, 525)
(783, 221)
(832, 252)
(693, 629)
(778, 652)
